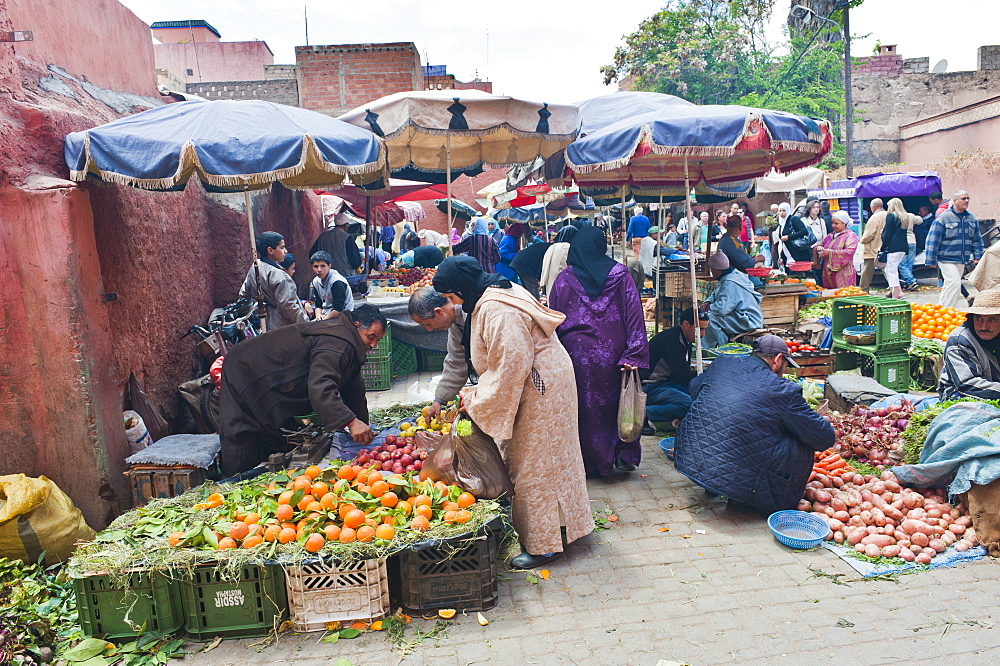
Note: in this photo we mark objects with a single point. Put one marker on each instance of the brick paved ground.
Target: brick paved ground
(634, 595)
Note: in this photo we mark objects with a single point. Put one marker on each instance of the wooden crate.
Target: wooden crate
(780, 310)
(675, 285)
(815, 366)
(151, 482)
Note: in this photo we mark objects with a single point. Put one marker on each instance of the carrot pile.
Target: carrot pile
(829, 463)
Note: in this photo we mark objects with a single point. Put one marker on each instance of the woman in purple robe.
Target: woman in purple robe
(836, 253)
(604, 333)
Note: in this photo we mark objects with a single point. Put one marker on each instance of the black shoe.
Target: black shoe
(528, 561)
(648, 430)
(622, 466)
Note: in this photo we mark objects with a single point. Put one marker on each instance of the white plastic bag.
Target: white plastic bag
(135, 431)
(631, 407)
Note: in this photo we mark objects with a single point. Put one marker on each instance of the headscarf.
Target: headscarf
(516, 229)
(529, 260)
(464, 277)
(406, 226)
(566, 234)
(588, 255)
(481, 229)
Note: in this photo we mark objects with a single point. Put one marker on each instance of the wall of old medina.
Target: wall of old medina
(214, 61)
(883, 104)
(67, 348)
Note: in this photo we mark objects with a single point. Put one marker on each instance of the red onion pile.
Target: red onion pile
(397, 455)
(872, 436)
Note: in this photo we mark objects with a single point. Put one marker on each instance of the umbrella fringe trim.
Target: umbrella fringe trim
(522, 134)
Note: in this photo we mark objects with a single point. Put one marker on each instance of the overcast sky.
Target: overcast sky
(550, 50)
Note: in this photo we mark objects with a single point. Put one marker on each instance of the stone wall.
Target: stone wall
(882, 104)
(281, 91)
(988, 57)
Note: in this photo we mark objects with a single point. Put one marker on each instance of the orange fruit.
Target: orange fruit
(446, 613)
(354, 518)
(371, 522)
(385, 532)
(252, 518)
(328, 502)
(319, 489)
(255, 528)
(288, 525)
(450, 506)
(175, 538)
(284, 512)
(389, 499)
(305, 502)
(285, 497)
(271, 533)
(201, 506)
(314, 506)
(466, 500)
(373, 476)
(425, 511)
(239, 530)
(361, 477)
(332, 532)
(215, 500)
(366, 533)
(450, 516)
(420, 524)
(303, 482)
(313, 471)
(347, 535)
(463, 516)
(287, 535)
(346, 472)
(254, 540)
(344, 509)
(389, 520)
(379, 488)
(314, 542)
(226, 543)
(421, 500)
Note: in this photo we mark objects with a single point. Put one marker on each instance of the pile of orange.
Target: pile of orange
(336, 505)
(935, 322)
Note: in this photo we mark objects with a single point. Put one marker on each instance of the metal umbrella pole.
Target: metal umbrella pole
(624, 234)
(656, 273)
(447, 168)
(261, 312)
(699, 364)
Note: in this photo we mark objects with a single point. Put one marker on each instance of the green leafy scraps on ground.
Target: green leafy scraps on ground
(602, 518)
(37, 612)
(920, 422)
(395, 628)
(385, 417)
(149, 649)
(818, 573)
(844, 623)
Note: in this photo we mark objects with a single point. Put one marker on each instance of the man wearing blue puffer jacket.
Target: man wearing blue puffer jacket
(749, 435)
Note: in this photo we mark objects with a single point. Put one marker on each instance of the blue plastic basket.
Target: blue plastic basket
(667, 446)
(798, 529)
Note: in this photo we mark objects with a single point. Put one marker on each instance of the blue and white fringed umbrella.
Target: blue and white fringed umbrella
(230, 146)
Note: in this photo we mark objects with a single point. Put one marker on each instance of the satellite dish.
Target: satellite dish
(940, 68)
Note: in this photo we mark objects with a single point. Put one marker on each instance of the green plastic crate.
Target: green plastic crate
(891, 370)
(430, 361)
(404, 358)
(151, 600)
(253, 604)
(377, 373)
(891, 318)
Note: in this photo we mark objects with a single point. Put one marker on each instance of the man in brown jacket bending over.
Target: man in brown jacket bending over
(295, 370)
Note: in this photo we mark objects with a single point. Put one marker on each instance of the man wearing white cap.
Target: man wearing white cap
(971, 368)
(733, 307)
(647, 250)
(749, 434)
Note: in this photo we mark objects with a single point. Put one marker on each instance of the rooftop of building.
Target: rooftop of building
(193, 23)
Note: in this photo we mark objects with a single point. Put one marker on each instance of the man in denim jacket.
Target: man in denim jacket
(953, 238)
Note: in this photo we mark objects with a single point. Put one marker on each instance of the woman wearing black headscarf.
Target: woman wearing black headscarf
(525, 395)
(604, 333)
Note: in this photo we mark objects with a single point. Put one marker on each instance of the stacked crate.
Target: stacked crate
(886, 360)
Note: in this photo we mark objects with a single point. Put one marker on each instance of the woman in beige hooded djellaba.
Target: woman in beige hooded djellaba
(526, 398)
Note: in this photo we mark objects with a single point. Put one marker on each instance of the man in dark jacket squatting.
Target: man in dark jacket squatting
(295, 370)
(749, 435)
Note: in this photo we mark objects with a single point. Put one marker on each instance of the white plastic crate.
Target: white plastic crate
(321, 592)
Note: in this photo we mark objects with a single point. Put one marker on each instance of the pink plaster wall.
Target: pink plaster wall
(214, 61)
(98, 39)
(190, 34)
